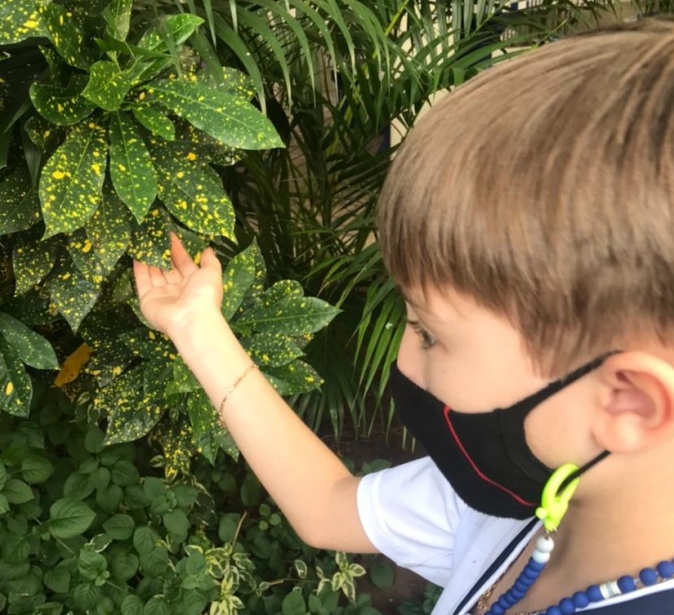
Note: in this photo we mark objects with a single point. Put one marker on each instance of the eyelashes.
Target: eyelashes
(426, 339)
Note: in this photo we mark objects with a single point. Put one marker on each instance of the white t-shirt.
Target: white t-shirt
(412, 515)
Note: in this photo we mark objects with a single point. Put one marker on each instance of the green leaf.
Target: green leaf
(132, 605)
(294, 316)
(382, 575)
(154, 563)
(209, 436)
(29, 346)
(124, 474)
(297, 377)
(144, 539)
(110, 498)
(124, 565)
(228, 118)
(85, 258)
(155, 121)
(271, 349)
(131, 169)
(72, 180)
(109, 230)
(32, 261)
(91, 564)
(107, 85)
(66, 34)
(117, 17)
(73, 296)
(157, 605)
(119, 527)
(16, 387)
(36, 469)
(58, 579)
(194, 195)
(17, 492)
(3, 475)
(20, 204)
(129, 418)
(78, 486)
(19, 20)
(69, 518)
(15, 549)
(294, 604)
(87, 596)
(62, 106)
(177, 524)
(151, 241)
(177, 28)
(238, 278)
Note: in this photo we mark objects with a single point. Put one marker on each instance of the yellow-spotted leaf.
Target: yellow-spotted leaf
(294, 316)
(178, 446)
(62, 106)
(237, 279)
(226, 117)
(297, 377)
(107, 86)
(29, 346)
(151, 240)
(20, 204)
(19, 20)
(208, 435)
(32, 261)
(173, 30)
(85, 258)
(73, 365)
(149, 345)
(16, 388)
(237, 82)
(194, 195)
(109, 229)
(65, 31)
(155, 121)
(271, 349)
(117, 17)
(72, 295)
(129, 418)
(131, 168)
(71, 182)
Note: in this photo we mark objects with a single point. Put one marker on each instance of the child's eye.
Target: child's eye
(427, 340)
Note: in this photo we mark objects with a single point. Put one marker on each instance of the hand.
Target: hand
(169, 300)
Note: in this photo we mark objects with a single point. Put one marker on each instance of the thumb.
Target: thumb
(210, 261)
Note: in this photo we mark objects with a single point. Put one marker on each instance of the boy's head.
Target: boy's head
(543, 191)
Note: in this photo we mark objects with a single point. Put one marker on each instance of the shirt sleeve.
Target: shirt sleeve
(411, 514)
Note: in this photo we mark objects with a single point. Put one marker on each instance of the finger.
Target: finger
(172, 276)
(142, 275)
(210, 261)
(156, 276)
(182, 261)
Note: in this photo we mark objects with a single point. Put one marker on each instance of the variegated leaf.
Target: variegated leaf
(26, 344)
(228, 118)
(72, 295)
(238, 278)
(271, 349)
(19, 20)
(155, 121)
(131, 169)
(151, 240)
(66, 33)
(20, 204)
(117, 17)
(107, 85)
(16, 388)
(85, 258)
(109, 229)
(32, 261)
(297, 377)
(194, 195)
(72, 180)
(62, 106)
(293, 316)
(208, 435)
(177, 443)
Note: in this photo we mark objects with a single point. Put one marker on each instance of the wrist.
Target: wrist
(198, 333)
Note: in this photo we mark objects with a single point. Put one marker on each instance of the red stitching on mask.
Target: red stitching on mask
(475, 468)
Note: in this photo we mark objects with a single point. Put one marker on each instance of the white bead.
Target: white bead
(540, 557)
(545, 544)
(610, 589)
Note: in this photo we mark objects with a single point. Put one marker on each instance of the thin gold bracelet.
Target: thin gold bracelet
(247, 371)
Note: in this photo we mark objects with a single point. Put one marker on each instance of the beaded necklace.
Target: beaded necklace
(556, 497)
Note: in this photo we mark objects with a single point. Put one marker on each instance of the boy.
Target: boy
(529, 222)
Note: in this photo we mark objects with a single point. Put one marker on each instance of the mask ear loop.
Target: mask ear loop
(559, 490)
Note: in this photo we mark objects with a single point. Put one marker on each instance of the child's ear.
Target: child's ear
(636, 409)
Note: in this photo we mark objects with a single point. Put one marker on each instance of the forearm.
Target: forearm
(313, 488)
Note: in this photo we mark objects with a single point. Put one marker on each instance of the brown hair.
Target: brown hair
(544, 190)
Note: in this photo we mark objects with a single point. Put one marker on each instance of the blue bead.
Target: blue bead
(580, 599)
(567, 607)
(534, 565)
(518, 594)
(521, 586)
(553, 610)
(626, 584)
(497, 609)
(530, 574)
(594, 593)
(503, 602)
(666, 569)
(648, 576)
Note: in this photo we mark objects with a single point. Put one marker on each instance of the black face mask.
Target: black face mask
(484, 456)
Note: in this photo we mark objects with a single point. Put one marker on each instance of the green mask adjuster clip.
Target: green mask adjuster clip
(557, 494)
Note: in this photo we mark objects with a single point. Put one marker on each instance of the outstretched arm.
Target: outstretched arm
(312, 487)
